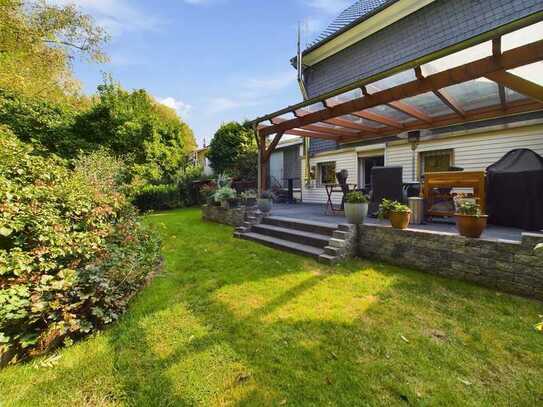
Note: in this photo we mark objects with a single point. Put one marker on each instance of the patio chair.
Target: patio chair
(386, 183)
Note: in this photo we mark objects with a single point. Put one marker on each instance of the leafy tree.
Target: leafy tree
(34, 119)
(132, 124)
(38, 40)
(233, 150)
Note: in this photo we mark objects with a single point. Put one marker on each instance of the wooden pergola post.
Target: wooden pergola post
(264, 155)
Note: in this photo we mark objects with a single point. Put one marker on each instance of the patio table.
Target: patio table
(332, 210)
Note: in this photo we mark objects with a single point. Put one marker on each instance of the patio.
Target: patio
(316, 213)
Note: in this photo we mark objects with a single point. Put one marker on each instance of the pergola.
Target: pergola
(422, 96)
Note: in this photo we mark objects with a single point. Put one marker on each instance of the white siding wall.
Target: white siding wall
(345, 160)
(473, 152)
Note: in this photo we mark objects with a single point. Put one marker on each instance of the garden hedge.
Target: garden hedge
(72, 252)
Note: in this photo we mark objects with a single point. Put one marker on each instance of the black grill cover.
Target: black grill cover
(515, 190)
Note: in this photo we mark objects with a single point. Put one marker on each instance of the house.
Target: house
(466, 74)
(199, 157)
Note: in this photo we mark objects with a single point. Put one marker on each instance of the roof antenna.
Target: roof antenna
(299, 64)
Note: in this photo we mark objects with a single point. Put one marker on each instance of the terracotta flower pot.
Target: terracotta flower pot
(399, 220)
(471, 226)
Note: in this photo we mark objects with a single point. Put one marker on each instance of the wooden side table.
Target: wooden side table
(454, 179)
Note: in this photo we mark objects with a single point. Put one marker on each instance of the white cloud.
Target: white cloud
(182, 108)
(252, 92)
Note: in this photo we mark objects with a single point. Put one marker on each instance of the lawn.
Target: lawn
(230, 322)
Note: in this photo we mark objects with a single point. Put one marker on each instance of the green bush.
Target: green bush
(158, 198)
(72, 252)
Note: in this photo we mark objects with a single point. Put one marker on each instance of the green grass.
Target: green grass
(230, 322)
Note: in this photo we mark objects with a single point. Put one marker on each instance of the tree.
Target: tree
(233, 150)
(152, 138)
(37, 44)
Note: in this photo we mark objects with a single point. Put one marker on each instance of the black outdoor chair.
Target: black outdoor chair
(386, 183)
(345, 189)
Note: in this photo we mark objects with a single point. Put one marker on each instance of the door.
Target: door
(364, 170)
(276, 169)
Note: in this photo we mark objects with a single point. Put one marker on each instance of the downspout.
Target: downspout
(303, 90)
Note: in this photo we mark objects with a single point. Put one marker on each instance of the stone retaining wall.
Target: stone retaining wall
(232, 216)
(505, 265)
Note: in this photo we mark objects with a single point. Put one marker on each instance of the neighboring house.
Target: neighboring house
(374, 39)
(285, 163)
(199, 157)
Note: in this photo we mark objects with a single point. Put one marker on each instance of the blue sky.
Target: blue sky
(212, 60)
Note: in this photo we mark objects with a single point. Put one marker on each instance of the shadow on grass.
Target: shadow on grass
(227, 324)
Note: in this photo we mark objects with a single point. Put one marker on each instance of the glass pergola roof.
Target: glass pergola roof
(495, 78)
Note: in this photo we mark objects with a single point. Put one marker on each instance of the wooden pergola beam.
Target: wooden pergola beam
(443, 95)
(378, 118)
(403, 107)
(518, 84)
(351, 125)
(511, 59)
(484, 113)
(497, 54)
(303, 133)
(319, 129)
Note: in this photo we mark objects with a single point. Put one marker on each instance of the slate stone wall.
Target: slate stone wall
(508, 266)
(232, 217)
(439, 25)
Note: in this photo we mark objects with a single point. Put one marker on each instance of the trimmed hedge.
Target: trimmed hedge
(72, 252)
(158, 198)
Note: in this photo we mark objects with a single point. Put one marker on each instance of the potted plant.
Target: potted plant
(356, 207)
(224, 195)
(469, 219)
(265, 201)
(249, 197)
(207, 193)
(398, 213)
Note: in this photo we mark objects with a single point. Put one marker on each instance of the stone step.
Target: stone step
(282, 244)
(332, 251)
(293, 235)
(299, 224)
(327, 259)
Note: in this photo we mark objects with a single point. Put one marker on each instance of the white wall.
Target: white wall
(471, 152)
(345, 160)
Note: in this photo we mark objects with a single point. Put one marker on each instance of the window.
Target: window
(327, 173)
(436, 161)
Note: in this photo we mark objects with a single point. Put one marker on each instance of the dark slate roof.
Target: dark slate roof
(350, 17)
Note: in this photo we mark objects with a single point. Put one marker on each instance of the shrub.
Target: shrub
(387, 207)
(468, 208)
(356, 197)
(157, 198)
(72, 252)
(224, 194)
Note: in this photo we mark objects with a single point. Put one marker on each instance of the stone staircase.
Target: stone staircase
(326, 242)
